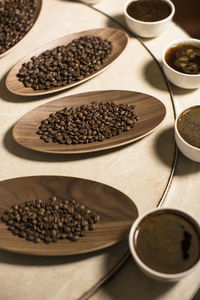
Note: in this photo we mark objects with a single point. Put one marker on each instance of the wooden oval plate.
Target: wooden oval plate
(150, 111)
(37, 13)
(119, 41)
(117, 212)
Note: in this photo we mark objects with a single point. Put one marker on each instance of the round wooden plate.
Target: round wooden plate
(150, 111)
(117, 212)
(37, 13)
(119, 41)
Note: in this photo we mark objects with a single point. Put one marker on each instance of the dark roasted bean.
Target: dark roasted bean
(30, 238)
(91, 226)
(22, 234)
(37, 240)
(94, 122)
(11, 228)
(74, 237)
(5, 218)
(47, 240)
(17, 17)
(50, 220)
(88, 55)
(96, 218)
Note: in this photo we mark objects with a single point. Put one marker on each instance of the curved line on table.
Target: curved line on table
(127, 255)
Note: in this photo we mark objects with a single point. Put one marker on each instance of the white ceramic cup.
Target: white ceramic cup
(187, 149)
(186, 81)
(148, 29)
(146, 269)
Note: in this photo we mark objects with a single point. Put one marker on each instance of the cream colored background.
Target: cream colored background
(140, 170)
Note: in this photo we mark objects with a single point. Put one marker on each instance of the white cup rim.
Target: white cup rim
(150, 23)
(148, 270)
(174, 42)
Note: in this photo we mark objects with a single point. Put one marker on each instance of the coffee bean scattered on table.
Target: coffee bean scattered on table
(16, 18)
(65, 64)
(50, 220)
(84, 124)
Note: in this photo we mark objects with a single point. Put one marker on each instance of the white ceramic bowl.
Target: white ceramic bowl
(148, 29)
(187, 81)
(149, 271)
(187, 149)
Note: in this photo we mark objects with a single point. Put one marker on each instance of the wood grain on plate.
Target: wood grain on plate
(36, 15)
(150, 111)
(117, 212)
(119, 41)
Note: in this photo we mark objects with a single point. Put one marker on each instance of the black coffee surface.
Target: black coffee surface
(189, 126)
(184, 58)
(167, 242)
(148, 10)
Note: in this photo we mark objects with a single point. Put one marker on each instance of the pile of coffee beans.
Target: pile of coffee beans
(84, 124)
(16, 18)
(65, 64)
(50, 220)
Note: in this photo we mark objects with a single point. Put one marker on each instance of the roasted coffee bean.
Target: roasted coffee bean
(37, 240)
(65, 64)
(84, 124)
(49, 220)
(91, 226)
(22, 234)
(17, 17)
(96, 218)
(75, 237)
(5, 218)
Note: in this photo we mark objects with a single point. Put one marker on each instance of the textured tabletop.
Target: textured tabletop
(140, 170)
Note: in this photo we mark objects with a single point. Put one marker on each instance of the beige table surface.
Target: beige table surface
(141, 169)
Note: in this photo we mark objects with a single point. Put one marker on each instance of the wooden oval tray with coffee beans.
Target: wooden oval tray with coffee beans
(57, 215)
(66, 62)
(17, 18)
(89, 122)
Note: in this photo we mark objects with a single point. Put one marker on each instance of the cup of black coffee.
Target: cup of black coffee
(165, 243)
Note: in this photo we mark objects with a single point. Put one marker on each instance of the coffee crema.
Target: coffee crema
(149, 10)
(188, 125)
(184, 58)
(167, 242)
